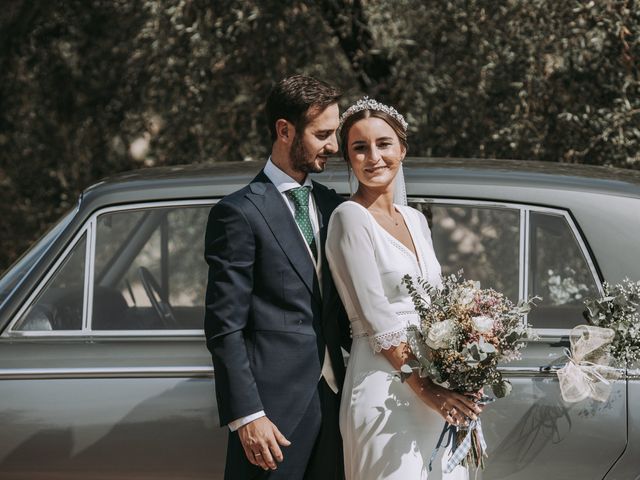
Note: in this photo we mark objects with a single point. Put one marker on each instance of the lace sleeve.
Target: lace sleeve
(386, 340)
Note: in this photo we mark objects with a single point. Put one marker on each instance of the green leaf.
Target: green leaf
(406, 369)
(488, 348)
(502, 389)
(476, 353)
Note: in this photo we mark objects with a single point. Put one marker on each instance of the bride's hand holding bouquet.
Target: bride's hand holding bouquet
(463, 334)
(455, 408)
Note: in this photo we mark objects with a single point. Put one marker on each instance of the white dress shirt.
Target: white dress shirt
(284, 183)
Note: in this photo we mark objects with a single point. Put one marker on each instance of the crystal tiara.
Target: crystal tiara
(366, 103)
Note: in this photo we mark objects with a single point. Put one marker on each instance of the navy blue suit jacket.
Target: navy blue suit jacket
(266, 322)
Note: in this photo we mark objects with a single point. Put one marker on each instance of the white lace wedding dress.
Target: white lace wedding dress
(387, 431)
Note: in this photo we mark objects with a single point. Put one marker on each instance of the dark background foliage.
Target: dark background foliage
(93, 87)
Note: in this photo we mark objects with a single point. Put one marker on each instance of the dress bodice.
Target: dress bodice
(368, 263)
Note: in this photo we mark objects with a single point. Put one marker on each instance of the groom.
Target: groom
(274, 323)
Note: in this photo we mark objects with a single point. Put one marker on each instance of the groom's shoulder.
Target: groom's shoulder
(328, 194)
(239, 197)
(233, 202)
(233, 205)
(236, 197)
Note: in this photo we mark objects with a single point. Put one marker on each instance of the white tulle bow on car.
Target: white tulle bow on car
(587, 373)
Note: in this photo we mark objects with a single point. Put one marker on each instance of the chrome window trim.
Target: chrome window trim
(458, 201)
(633, 374)
(525, 212)
(90, 228)
(88, 275)
(10, 332)
(578, 236)
(105, 334)
(556, 334)
(525, 245)
(523, 371)
(154, 204)
(525, 255)
(106, 372)
(526, 372)
(70, 214)
(148, 333)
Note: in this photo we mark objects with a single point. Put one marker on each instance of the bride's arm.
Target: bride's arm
(352, 260)
(454, 407)
(351, 256)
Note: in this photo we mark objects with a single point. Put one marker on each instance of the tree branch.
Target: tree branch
(373, 68)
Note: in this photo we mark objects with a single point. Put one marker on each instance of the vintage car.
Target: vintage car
(104, 372)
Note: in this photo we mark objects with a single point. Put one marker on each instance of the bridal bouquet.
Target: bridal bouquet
(464, 332)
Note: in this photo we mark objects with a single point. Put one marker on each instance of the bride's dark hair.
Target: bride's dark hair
(352, 119)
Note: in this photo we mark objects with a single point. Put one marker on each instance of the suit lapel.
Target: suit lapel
(324, 210)
(269, 202)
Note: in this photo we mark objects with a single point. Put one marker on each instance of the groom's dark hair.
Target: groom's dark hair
(298, 99)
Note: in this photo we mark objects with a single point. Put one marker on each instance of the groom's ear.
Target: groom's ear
(285, 130)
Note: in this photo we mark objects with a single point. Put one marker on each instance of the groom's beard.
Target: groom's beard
(302, 160)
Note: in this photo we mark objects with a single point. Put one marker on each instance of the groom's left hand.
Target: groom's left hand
(261, 441)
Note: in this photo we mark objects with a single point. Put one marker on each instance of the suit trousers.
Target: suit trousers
(315, 452)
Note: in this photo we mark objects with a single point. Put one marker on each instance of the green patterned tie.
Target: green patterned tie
(300, 197)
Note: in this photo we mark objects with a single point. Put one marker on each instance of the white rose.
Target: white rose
(440, 334)
(466, 296)
(483, 324)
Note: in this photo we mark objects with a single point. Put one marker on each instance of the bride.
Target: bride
(389, 428)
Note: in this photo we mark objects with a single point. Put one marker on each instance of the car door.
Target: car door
(524, 251)
(97, 380)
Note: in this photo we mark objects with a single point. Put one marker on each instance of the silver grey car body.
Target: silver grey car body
(103, 367)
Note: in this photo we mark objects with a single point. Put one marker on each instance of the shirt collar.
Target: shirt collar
(281, 180)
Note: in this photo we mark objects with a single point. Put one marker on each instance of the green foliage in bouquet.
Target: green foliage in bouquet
(464, 332)
(619, 310)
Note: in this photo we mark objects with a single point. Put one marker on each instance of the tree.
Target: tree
(93, 87)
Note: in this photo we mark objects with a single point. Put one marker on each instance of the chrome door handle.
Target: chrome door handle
(551, 368)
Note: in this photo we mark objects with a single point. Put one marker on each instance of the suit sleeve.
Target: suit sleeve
(230, 253)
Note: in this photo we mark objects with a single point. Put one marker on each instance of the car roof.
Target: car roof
(219, 179)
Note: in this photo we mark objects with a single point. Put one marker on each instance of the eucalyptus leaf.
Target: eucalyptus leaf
(406, 369)
(488, 348)
(502, 388)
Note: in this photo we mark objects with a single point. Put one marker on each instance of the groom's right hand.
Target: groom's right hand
(261, 441)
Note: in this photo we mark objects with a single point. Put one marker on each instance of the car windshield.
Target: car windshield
(18, 270)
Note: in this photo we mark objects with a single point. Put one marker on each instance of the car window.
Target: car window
(558, 272)
(483, 241)
(59, 305)
(19, 269)
(149, 269)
